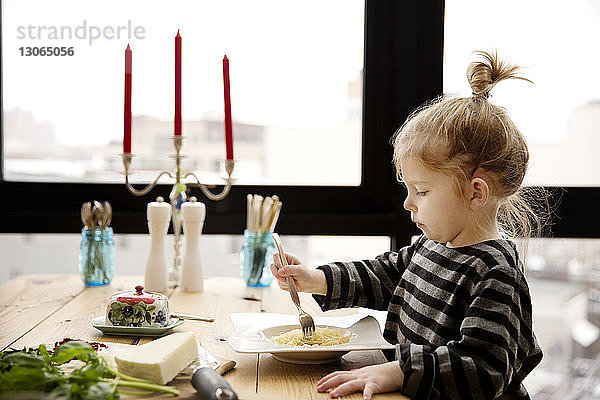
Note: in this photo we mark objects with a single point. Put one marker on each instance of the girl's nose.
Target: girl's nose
(408, 204)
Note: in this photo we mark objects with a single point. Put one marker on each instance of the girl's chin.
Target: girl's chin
(429, 235)
(434, 237)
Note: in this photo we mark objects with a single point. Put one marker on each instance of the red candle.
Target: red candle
(127, 108)
(178, 84)
(228, 127)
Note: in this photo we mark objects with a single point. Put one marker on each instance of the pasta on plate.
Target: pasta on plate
(323, 336)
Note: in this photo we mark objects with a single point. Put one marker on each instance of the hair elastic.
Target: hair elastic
(484, 95)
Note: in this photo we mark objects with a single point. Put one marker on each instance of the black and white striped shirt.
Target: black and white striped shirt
(461, 317)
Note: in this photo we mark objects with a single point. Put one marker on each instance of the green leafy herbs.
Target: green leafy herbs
(36, 370)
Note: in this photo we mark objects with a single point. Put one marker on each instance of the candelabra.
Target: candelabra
(178, 195)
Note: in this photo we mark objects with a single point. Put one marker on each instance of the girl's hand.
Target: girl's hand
(372, 379)
(306, 279)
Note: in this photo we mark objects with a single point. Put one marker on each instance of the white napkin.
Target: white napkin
(248, 324)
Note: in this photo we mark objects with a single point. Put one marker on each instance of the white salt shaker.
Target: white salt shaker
(159, 216)
(192, 275)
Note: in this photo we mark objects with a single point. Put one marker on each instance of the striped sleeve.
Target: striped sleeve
(366, 283)
(495, 351)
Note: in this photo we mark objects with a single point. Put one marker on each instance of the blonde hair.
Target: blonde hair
(459, 135)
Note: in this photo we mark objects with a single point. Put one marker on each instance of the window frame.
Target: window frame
(402, 69)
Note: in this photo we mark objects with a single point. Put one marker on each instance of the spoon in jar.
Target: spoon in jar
(86, 215)
(106, 216)
(97, 212)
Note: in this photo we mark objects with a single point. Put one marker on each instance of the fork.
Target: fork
(306, 321)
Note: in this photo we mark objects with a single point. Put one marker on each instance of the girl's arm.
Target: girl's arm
(366, 283)
(495, 352)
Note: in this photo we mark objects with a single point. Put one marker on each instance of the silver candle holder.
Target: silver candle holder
(178, 195)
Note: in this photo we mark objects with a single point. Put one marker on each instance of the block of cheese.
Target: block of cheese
(109, 353)
(160, 360)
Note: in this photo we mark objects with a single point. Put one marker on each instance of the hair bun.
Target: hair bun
(485, 73)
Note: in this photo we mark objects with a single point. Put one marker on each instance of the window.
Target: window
(563, 276)
(219, 254)
(296, 89)
(393, 83)
(560, 114)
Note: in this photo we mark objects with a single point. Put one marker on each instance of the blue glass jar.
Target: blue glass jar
(97, 256)
(256, 258)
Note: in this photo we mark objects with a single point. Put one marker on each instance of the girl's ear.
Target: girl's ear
(479, 192)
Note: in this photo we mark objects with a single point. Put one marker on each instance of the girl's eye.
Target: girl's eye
(423, 193)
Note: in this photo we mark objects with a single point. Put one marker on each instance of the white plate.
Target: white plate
(367, 331)
(100, 323)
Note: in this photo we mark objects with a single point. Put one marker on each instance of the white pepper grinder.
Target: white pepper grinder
(192, 275)
(159, 215)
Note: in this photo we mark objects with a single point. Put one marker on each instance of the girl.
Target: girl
(458, 305)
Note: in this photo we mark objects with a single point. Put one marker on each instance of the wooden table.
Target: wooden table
(46, 308)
